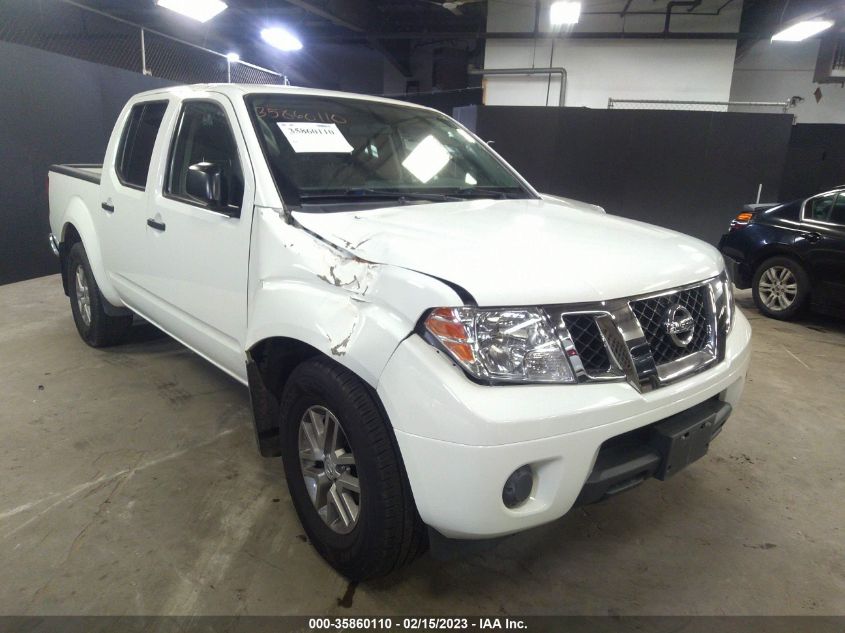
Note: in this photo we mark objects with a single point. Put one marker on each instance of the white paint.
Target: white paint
(777, 71)
(440, 418)
(464, 242)
(353, 285)
(613, 68)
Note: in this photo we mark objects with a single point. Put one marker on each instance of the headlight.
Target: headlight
(729, 305)
(722, 289)
(503, 345)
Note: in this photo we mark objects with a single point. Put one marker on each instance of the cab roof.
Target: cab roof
(234, 91)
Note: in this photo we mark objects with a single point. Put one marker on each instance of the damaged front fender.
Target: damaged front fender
(357, 312)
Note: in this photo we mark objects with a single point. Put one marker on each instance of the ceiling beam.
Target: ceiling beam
(355, 15)
(523, 35)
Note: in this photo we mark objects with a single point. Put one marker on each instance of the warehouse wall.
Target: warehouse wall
(776, 71)
(815, 160)
(689, 171)
(617, 68)
(53, 109)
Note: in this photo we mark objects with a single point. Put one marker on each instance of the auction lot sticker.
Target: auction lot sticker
(324, 138)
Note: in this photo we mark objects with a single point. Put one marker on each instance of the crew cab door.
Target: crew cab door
(822, 244)
(125, 186)
(203, 213)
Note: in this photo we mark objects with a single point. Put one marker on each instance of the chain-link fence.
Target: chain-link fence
(68, 28)
(700, 106)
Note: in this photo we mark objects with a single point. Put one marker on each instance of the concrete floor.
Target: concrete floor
(130, 485)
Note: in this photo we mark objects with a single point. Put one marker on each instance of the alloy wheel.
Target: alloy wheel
(329, 470)
(83, 296)
(778, 288)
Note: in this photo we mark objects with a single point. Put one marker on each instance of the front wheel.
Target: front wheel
(345, 474)
(780, 288)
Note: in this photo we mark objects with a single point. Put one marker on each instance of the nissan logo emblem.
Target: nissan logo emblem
(680, 326)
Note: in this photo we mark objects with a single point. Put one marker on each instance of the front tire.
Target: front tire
(95, 327)
(345, 474)
(780, 288)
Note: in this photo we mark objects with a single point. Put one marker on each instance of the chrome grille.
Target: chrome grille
(651, 313)
(588, 342)
(631, 339)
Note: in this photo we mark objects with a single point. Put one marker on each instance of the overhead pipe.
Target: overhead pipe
(527, 71)
(692, 4)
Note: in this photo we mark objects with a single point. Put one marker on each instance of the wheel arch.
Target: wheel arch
(77, 225)
(776, 250)
(70, 236)
(270, 362)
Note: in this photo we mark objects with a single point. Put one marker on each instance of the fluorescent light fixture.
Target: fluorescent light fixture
(201, 10)
(561, 13)
(802, 30)
(233, 57)
(281, 38)
(427, 159)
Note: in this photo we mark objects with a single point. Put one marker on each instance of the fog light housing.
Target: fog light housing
(518, 487)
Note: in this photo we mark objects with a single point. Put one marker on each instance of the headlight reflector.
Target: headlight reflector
(508, 345)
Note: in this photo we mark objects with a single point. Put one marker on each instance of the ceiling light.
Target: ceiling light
(802, 30)
(233, 57)
(201, 10)
(281, 39)
(564, 13)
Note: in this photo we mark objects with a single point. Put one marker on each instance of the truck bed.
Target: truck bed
(74, 191)
(91, 173)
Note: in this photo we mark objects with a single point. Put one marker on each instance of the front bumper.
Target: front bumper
(460, 441)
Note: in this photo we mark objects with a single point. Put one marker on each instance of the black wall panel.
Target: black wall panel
(689, 171)
(53, 109)
(815, 161)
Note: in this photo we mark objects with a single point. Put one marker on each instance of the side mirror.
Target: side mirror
(205, 183)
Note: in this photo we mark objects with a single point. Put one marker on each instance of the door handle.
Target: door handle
(813, 237)
(107, 207)
(153, 224)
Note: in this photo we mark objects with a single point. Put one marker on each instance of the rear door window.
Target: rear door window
(819, 208)
(137, 142)
(837, 213)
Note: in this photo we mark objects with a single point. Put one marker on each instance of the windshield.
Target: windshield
(323, 150)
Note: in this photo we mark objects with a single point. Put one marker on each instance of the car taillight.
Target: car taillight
(741, 220)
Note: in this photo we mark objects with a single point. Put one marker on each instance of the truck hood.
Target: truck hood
(522, 252)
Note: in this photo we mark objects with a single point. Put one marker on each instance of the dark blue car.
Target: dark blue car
(791, 255)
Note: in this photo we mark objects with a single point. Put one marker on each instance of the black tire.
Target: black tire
(101, 330)
(388, 533)
(796, 302)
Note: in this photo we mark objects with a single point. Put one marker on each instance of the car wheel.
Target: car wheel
(96, 328)
(345, 474)
(780, 288)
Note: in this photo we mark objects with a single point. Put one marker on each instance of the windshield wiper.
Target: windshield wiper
(481, 192)
(365, 193)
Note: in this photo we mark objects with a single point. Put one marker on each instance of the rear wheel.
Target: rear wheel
(781, 288)
(96, 328)
(345, 474)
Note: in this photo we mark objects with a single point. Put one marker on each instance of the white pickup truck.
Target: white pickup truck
(433, 348)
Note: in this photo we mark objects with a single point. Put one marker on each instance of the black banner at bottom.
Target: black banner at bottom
(331, 624)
